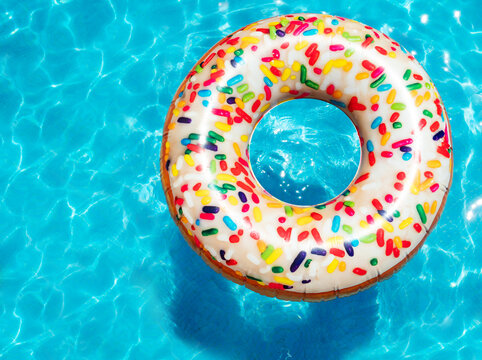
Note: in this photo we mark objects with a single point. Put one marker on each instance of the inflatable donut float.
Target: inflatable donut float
(326, 250)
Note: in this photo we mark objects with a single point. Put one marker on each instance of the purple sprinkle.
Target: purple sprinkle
(184, 120)
(287, 287)
(385, 215)
(233, 63)
(231, 100)
(305, 281)
(297, 261)
(280, 33)
(439, 135)
(349, 248)
(168, 162)
(210, 146)
(242, 196)
(222, 253)
(318, 251)
(405, 148)
(210, 209)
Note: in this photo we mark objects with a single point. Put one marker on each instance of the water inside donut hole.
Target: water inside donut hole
(305, 152)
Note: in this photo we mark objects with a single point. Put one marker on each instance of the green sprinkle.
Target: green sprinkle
(396, 213)
(367, 239)
(378, 81)
(277, 269)
(180, 211)
(303, 74)
(239, 52)
(421, 213)
(217, 137)
(242, 88)
(312, 84)
(346, 193)
(225, 89)
(229, 187)
(288, 211)
(398, 106)
(316, 22)
(253, 278)
(211, 140)
(212, 166)
(349, 52)
(248, 97)
(208, 232)
(284, 22)
(427, 85)
(267, 252)
(320, 207)
(374, 262)
(301, 18)
(272, 33)
(187, 152)
(428, 113)
(199, 68)
(193, 136)
(217, 188)
(406, 75)
(220, 157)
(349, 203)
(354, 38)
(347, 229)
(397, 125)
(307, 263)
(415, 86)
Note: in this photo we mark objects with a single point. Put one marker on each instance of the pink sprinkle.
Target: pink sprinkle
(349, 211)
(434, 187)
(377, 72)
(300, 29)
(400, 143)
(337, 47)
(266, 59)
(387, 154)
(208, 82)
(221, 112)
(317, 71)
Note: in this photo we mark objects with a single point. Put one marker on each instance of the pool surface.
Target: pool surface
(91, 264)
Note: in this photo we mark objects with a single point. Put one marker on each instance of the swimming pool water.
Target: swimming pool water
(92, 266)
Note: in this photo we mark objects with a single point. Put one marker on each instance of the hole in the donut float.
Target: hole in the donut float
(305, 152)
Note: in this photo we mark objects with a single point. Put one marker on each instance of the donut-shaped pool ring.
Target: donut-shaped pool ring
(326, 250)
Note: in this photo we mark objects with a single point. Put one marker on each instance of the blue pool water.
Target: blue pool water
(92, 266)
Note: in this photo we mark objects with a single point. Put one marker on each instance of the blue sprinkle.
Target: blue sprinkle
(233, 63)
(198, 222)
(234, 80)
(310, 32)
(338, 103)
(205, 103)
(384, 87)
(181, 93)
(267, 81)
(370, 146)
(318, 251)
(335, 226)
(204, 93)
(385, 215)
(407, 156)
(334, 22)
(185, 141)
(229, 223)
(376, 122)
(239, 60)
(355, 243)
(297, 261)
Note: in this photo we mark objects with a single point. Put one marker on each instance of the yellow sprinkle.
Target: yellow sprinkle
(299, 210)
(268, 74)
(348, 66)
(392, 54)
(232, 200)
(332, 267)
(239, 102)
(230, 49)
(337, 94)
(261, 246)
(328, 67)
(419, 100)
(175, 112)
(398, 242)
(340, 29)
(385, 138)
(206, 200)
(293, 77)
(321, 27)
(426, 184)
(301, 45)
(434, 207)
(296, 66)
(220, 63)
(261, 97)
(286, 74)
(222, 126)
(426, 207)
(227, 108)
(250, 39)
(391, 96)
(273, 23)
(274, 256)
(202, 193)
(385, 224)
(284, 89)
(353, 189)
(184, 220)
(335, 240)
(181, 104)
(414, 189)
(342, 266)
(426, 96)
(338, 63)
(265, 107)
(361, 76)
(221, 98)
(277, 63)
(244, 138)
(374, 99)
(304, 220)
(274, 205)
(189, 160)
(283, 280)
(257, 214)
(175, 172)
(236, 149)
(364, 224)
(405, 223)
(226, 177)
(433, 164)
(414, 93)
